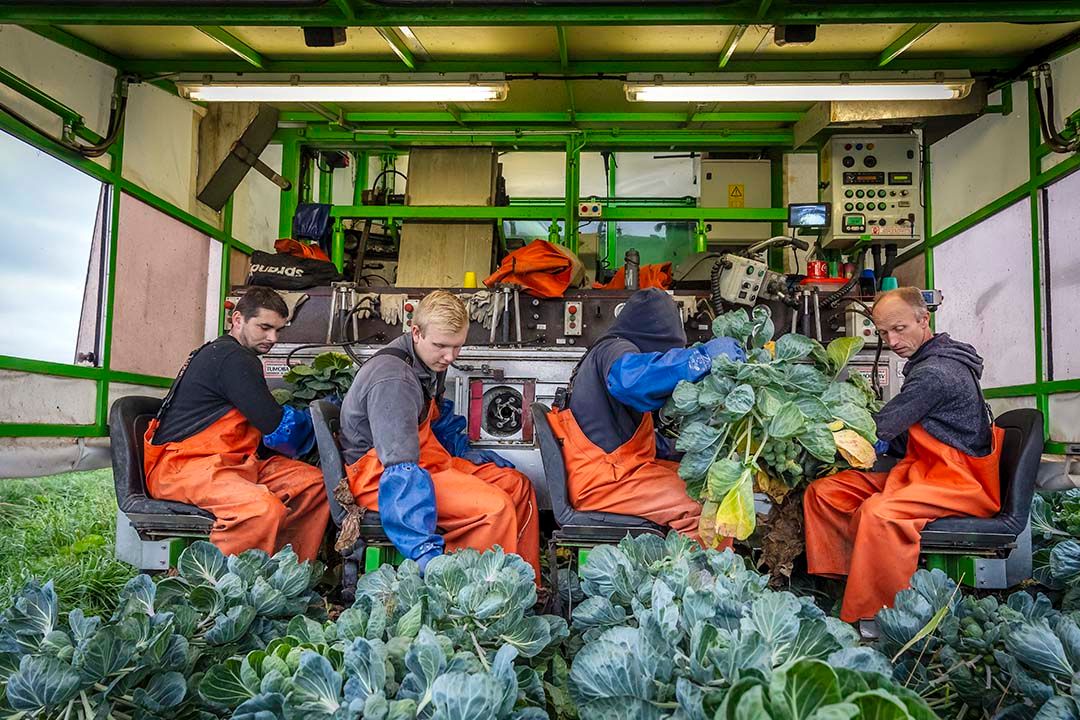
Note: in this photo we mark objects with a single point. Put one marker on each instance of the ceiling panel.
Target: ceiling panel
(606, 43)
(289, 42)
(492, 42)
(989, 39)
(145, 43)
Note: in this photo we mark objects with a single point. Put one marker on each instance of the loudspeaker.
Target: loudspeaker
(324, 36)
(794, 34)
(236, 157)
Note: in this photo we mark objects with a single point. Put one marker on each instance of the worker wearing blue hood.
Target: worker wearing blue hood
(606, 426)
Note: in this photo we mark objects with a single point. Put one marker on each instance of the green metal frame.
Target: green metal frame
(739, 12)
(1038, 179)
(112, 176)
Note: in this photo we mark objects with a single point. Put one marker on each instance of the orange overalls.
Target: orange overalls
(629, 480)
(866, 525)
(477, 506)
(264, 504)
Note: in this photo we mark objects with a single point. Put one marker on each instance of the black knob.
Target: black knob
(848, 161)
(870, 161)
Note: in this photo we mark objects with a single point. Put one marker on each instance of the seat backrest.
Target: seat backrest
(128, 419)
(1019, 466)
(326, 417)
(552, 487)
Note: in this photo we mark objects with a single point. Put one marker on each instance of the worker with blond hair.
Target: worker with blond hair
(409, 460)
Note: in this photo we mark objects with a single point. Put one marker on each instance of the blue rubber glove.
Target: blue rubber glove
(294, 436)
(407, 512)
(449, 429)
(644, 381)
(481, 457)
(881, 447)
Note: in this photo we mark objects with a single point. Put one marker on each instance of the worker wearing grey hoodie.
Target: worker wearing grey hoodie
(866, 525)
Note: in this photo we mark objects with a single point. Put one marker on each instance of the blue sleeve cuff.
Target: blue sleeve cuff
(294, 436)
(644, 381)
(881, 446)
(407, 510)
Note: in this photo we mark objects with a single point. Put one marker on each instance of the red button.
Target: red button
(572, 309)
(408, 307)
(573, 325)
(229, 305)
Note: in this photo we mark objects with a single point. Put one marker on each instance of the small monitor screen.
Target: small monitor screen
(810, 215)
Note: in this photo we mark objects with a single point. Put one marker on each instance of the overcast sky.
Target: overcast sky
(47, 211)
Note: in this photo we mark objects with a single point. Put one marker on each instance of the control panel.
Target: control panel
(741, 279)
(408, 310)
(859, 325)
(874, 187)
(572, 318)
(590, 209)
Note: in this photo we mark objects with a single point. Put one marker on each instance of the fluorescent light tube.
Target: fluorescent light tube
(250, 92)
(797, 92)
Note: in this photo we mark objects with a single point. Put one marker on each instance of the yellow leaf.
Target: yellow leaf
(771, 347)
(775, 488)
(707, 524)
(836, 425)
(735, 517)
(855, 449)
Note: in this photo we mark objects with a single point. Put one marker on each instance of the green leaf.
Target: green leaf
(697, 436)
(283, 396)
(695, 464)
(408, 625)
(684, 399)
(103, 655)
(306, 630)
(424, 661)
(735, 324)
(713, 390)
(137, 596)
(799, 691)
(793, 346)
(365, 668)
(879, 705)
(842, 392)
(763, 328)
(164, 692)
(788, 421)
(1065, 561)
(819, 442)
(751, 705)
(298, 371)
(805, 379)
(207, 599)
(1037, 647)
(530, 636)
(724, 474)
(858, 419)
(266, 599)
(840, 711)
(316, 688)
(232, 626)
(840, 352)
(814, 409)
(740, 400)
(269, 706)
(41, 682)
(769, 400)
(201, 563)
(459, 696)
(292, 577)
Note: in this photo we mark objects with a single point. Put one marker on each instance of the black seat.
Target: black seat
(128, 420)
(326, 417)
(576, 525)
(1019, 467)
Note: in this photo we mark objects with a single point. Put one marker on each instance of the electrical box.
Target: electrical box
(736, 184)
(859, 325)
(875, 187)
(741, 279)
(572, 318)
(590, 209)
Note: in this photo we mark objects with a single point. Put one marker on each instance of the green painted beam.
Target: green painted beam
(398, 46)
(907, 38)
(728, 13)
(454, 212)
(525, 66)
(644, 139)
(233, 44)
(733, 39)
(621, 212)
(51, 430)
(71, 118)
(479, 118)
(564, 48)
(347, 9)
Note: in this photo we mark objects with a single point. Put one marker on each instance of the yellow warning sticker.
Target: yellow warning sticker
(736, 195)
